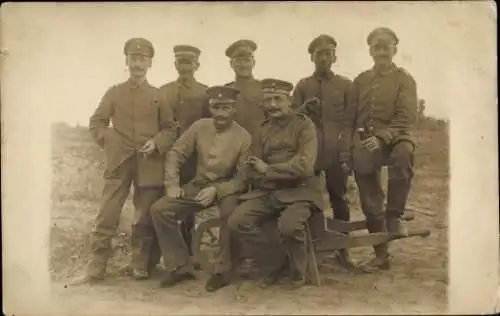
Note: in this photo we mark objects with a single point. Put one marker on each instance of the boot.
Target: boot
(298, 261)
(141, 244)
(186, 228)
(381, 260)
(96, 269)
(178, 275)
(397, 194)
(216, 282)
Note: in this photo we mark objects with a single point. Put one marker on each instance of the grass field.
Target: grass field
(416, 284)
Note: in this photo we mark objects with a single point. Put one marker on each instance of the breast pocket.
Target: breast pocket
(334, 105)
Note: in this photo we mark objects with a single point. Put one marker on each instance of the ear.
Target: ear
(126, 60)
(312, 56)
(334, 59)
(395, 50)
(196, 65)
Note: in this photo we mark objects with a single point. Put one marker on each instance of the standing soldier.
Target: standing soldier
(382, 111)
(323, 96)
(282, 158)
(188, 100)
(249, 112)
(142, 131)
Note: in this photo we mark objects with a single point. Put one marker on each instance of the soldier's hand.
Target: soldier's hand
(175, 192)
(257, 164)
(344, 166)
(371, 143)
(206, 196)
(148, 147)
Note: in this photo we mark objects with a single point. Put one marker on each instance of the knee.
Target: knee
(160, 211)
(291, 229)
(401, 160)
(238, 223)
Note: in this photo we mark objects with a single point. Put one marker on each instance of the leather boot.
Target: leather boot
(397, 194)
(381, 260)
(298, 260)
(186, 228)
(141, 244)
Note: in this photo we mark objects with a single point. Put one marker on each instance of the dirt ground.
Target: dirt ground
(417, 283)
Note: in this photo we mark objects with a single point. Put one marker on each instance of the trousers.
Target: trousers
(248, 218)
(167, 211)
(144, 244)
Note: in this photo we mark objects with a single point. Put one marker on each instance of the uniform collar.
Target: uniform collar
(187, 82)
(134, 85)
(323, 75)
(239, 80)
(384, 72)
(284, 121)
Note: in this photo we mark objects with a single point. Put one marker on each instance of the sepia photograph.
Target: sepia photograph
(246, 158)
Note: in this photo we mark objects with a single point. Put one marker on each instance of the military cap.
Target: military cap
(140, 46)
(186, 51)
(322, 42)
(276, 86)
(241, 48)
(222, 94)
(382, 34)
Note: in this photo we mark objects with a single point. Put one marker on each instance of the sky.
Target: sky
(61, 58)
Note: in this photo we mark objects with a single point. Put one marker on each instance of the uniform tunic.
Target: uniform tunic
(333, 91)
(249, 113)
(386, 102)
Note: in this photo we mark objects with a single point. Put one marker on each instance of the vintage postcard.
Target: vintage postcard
(219, 158)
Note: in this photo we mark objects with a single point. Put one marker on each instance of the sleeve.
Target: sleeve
(206, 107)
(178, 154)
(302, 164)
(167, 135)
(237, 184)
(348, 121)
(406, 111)
(298, 97)
(99, 121)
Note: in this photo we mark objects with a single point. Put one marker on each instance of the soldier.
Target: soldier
(249, 113)
(382, 110)
(222, 148)
(189, 103)
(143, 130)
(284, 185)
(323, 96)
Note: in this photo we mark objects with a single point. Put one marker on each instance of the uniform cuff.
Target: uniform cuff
(385, 136)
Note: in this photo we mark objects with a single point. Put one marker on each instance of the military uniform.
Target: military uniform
(220, 158)
(249, 114)
(383, 104)
(289, 190)
(138, 113)
(189, 102)
(332, 91)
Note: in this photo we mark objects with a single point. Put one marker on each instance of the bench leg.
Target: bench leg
(312, 276)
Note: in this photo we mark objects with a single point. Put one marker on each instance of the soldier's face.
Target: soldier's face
(324, 59)
(382, 53)
(186, 67)
(222, 114)
(276, 105)
(138, 65)
(243, 66)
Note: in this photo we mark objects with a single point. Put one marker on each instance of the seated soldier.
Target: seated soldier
(222, 149)
(284, 185)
